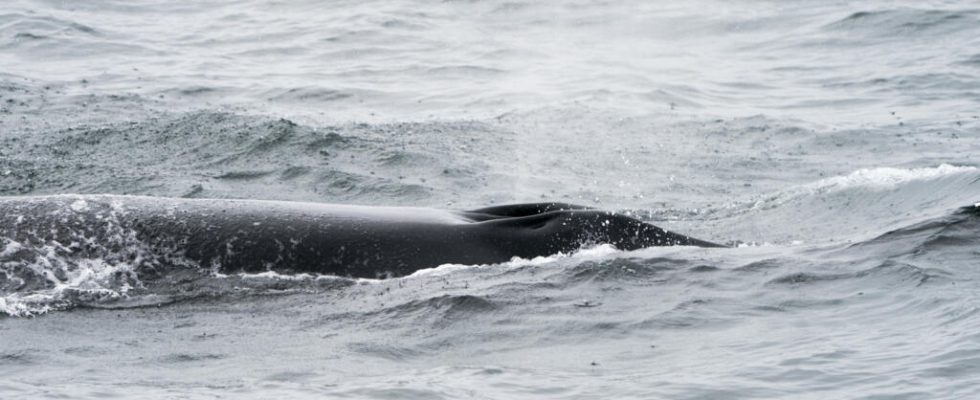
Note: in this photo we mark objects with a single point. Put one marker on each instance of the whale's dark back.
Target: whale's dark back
(562, 227)
(257, 236)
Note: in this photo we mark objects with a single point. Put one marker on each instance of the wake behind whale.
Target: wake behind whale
(230, 236)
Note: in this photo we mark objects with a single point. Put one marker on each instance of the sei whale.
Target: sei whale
(291, 237)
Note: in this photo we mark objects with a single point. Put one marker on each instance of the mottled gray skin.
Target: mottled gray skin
(255, 236)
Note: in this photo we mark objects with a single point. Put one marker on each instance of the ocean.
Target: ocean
(835, 146)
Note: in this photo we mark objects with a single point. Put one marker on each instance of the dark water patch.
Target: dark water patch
(19, 358)
(396, 158)
(87, 351)
(405, 24)
(761, 265)
(805, 278)
(205, 336)
(956, 363)
(291, 376)
(193, 91)
(630, 270)
(389, 352)
(181, 358)
(957, 314)
(244, 175)
(962, 370)
(690, 314)
(907, 22)
(40, 39)
(293, 172)
(348, 187)
(308, 95)
(185, 324)
(274, 134)
(972, 61)
(886, 271)
(465, 70)
(29, 36)
(768, 308)
(797, 374)
(703, 268)
(83, 28)
(605, 326)
(396, 394)
(960, 229)
(342, 182)
(943, 241)
(449, 307)
(823, 358)
(531, 292)
(323, 140)
(905, 272)
(898, 395)
(807, 304)
(274, 52)
(927, 86)
(195, 191)
(236, 286)
(40, 23)
(325, 323)
(973, 211)
(955, 355)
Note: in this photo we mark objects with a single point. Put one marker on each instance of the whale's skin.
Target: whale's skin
(233, 236)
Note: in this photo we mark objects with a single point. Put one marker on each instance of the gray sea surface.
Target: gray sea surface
(835, 145)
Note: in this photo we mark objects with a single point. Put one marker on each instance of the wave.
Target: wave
(954, 235)
(220, 154)
(63, 39)
(849, 208)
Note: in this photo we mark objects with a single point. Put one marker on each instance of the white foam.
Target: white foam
(79, 205)
(273, 275)
(15, 307)
(65, 276)
(585, 254)
(888, 177)
(10, 248)
(868, 178)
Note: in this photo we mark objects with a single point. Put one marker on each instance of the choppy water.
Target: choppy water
(838, 143)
